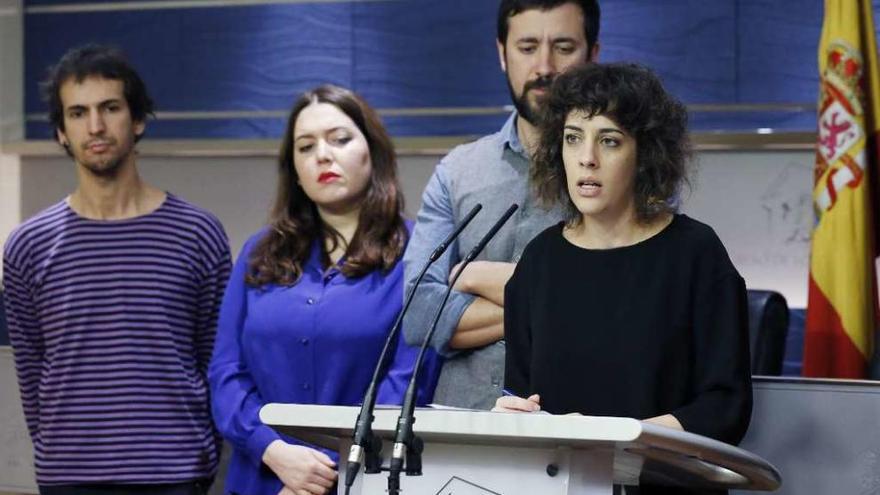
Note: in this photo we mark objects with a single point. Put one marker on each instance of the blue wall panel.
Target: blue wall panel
(234, 58)
(189, 129)
(444, 126)
(777, 45)
(460, 126)
(423, 54)
(778, 121)
(439, 54)
(55, 3)
(691, 44)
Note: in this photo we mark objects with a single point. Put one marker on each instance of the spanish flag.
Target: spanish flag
(842, 305)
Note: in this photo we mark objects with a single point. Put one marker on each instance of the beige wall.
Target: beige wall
(11, 112)
(758, 202)
(10, 196)
(12, 71)
(237, 190)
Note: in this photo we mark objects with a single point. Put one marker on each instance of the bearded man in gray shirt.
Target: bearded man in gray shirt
(537, 39)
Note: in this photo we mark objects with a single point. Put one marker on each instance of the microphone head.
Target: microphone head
(438, 252)
(489, 235)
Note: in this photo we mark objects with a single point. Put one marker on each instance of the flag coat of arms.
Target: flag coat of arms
(842, 307)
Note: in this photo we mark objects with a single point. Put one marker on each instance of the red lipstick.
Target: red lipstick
(326, 177)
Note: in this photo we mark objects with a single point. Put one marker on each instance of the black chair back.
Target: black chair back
(768, 330)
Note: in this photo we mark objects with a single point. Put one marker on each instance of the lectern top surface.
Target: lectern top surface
(662, 453)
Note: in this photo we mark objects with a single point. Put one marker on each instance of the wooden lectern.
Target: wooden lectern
(480, 452)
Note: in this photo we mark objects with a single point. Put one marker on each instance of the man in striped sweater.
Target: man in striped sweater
(111, 298)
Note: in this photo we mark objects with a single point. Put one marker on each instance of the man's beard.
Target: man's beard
(531, 113)
(108, 166)
(106, 169)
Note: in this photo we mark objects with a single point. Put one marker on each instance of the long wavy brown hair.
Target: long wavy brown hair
(294, 223)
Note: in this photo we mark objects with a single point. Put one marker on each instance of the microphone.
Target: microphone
(405, 442)
(364, 442)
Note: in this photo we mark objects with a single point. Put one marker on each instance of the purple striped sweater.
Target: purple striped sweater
(112, 324)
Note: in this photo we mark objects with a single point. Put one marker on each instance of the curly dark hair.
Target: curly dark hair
(633, 97)
(93, 60)
(294, 223)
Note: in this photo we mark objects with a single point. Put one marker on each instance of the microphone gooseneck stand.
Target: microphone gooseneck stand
(365, 444)
(407, 452)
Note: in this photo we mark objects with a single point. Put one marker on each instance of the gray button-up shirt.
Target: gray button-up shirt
(493, 171)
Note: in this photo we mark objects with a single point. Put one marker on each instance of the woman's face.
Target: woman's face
(600, 166)
(331, 158)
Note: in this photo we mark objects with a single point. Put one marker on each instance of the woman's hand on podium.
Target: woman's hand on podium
(512, 403)
(302, 470)
(667, 420)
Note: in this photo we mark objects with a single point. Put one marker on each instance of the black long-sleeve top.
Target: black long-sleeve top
(639, 331)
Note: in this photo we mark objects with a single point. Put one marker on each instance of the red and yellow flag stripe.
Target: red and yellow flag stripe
(842, 309)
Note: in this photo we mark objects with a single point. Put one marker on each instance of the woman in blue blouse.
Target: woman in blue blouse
(313, 295)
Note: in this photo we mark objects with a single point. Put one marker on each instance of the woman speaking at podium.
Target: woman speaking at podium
(312, 296)
(627, 308)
